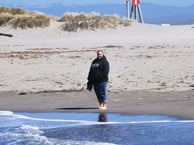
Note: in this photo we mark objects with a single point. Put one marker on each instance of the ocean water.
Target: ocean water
(58, 128)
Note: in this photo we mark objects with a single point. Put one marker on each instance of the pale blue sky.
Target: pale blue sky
(84, 2)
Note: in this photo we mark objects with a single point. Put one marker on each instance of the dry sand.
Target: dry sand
(151, 69)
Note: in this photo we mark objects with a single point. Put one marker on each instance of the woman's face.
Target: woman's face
(100, 54)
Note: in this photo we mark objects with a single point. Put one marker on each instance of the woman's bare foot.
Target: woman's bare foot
(101, 106)
(104, 106)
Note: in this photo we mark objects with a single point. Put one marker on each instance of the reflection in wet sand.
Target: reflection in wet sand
(102, 117)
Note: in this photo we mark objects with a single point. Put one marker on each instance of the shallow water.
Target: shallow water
(54, 128)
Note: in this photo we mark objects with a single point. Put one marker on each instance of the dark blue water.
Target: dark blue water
(93, 128)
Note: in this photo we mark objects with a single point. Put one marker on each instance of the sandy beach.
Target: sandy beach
(45, 69)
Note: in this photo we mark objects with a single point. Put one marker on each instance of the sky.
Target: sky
(86, 2)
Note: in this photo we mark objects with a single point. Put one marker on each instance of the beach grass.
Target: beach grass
(91, 21)
(72, 22)
(19, 18)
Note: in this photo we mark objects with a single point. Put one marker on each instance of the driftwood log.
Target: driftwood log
(7, 35)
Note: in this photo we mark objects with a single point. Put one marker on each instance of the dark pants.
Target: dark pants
(100, 90)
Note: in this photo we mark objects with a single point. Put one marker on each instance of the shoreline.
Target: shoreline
(176, 104)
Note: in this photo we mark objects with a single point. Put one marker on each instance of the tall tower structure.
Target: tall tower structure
(135, 10)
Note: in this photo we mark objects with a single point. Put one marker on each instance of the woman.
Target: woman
(98, 78)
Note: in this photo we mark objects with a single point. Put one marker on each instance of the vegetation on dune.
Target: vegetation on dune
(91, 21)
(30, 21)
(72, 22)
(12, 11)
(18, 18)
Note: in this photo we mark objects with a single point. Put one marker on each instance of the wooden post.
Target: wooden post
(7, 35)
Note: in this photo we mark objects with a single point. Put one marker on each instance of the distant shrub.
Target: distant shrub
(42, 21)
(18, 18)
(127, 22)
(17, 11)
(24, 22)
(4, 10)
(12, 11)
(5, 18)
(82, 21)
(72, 22)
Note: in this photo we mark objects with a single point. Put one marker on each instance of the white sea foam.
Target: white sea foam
(41, 122)
(32, 135)
(79, 122)
(25, 134)
(31, 129)
(11, 114)
(6, 113)
(21, 138)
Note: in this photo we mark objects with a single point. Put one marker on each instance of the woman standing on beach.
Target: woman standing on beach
(98, 78)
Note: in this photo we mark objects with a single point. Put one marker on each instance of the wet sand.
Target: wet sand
(180, 104)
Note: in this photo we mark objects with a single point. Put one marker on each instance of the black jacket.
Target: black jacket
(99, 70)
